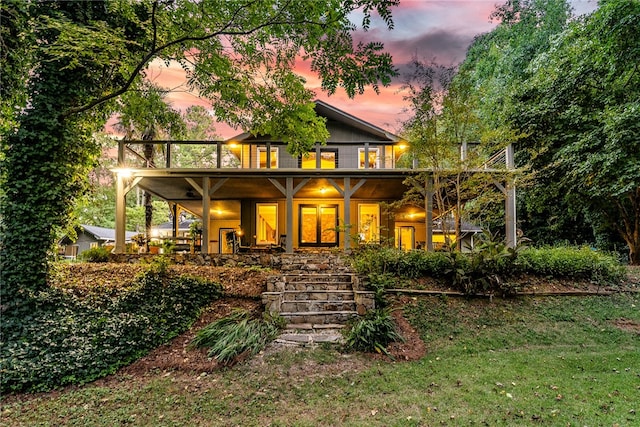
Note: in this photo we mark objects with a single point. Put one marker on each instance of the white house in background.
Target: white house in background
(89, 236)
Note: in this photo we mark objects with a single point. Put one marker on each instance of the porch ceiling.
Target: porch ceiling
(184, 188)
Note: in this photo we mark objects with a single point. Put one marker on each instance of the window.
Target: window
(262, 158)
(318, 225)
(266, 224)
(369, 222)
(328, 159)
(374, 159)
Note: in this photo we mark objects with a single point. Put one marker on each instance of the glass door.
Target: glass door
(318, 225)
(405, 238)
(266, 224)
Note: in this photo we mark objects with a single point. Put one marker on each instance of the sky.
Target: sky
(441, 30)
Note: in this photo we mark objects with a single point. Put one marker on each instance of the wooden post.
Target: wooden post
(510, 202)
(121, 215)
(289, 196)
(428, 207)
(206, 216)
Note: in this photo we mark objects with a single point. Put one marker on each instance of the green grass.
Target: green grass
(527, 361)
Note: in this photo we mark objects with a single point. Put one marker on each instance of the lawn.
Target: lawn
(523, 361)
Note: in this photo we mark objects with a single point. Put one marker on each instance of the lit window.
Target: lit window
(328, 160)
(262, 158)
(374, 158)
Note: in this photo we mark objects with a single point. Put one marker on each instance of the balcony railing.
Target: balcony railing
(271, 155)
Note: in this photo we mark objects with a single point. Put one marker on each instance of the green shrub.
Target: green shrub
(579, 263)
(410, 264)
(379, 283)
(236, 335)
(373, 332)
(491, 266)
(97, 254)
(72, 340)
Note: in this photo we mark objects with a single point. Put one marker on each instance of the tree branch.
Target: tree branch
(155, 50)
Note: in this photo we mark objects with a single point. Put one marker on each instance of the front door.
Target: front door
(318, 225)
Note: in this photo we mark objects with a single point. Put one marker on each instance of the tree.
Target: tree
(497, 66)
(200, 127)
(444, 121)
(81, 56)
(581, 108)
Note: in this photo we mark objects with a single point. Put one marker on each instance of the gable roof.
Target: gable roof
(105, 234)
(334, 114)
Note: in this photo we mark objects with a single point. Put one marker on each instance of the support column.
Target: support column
(428, 209)
(510, 201)
(121, 215)
(175, 212)
(206, 216)
(289, 196)
(347, 208)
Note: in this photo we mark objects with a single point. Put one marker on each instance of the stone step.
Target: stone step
(294, 328)
(317, 306)
(319, 317)
(318, 277)
(309, 339)
(318, 286)
(318, 295)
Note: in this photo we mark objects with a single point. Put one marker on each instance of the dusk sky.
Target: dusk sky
(428, 29)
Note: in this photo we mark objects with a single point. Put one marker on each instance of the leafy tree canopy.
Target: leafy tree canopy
(76, 57)
(581, 107)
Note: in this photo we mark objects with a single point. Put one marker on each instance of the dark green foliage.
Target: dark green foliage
(97, 254)
(73, 340)
(237, 335)
(491, 267)
(379, 283)
(487, 269)
(579, 263)
(373, 332)
(410, 264)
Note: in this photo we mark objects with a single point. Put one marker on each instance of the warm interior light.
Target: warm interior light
(232, 145)
(402, 146)
(323, 190)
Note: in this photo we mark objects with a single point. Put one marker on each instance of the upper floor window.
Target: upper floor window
(262, 158)
(328, 159)
(373, 158)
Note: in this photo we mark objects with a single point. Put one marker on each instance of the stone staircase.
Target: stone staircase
(317, 294)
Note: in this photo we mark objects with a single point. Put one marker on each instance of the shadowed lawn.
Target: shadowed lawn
(527, 361)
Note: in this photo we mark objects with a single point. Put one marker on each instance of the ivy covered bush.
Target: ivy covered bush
(73, 340)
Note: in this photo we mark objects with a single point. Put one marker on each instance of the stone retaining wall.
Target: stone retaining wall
(289, 263)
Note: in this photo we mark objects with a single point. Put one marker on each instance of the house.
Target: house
(87, 237)
(256, 191)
